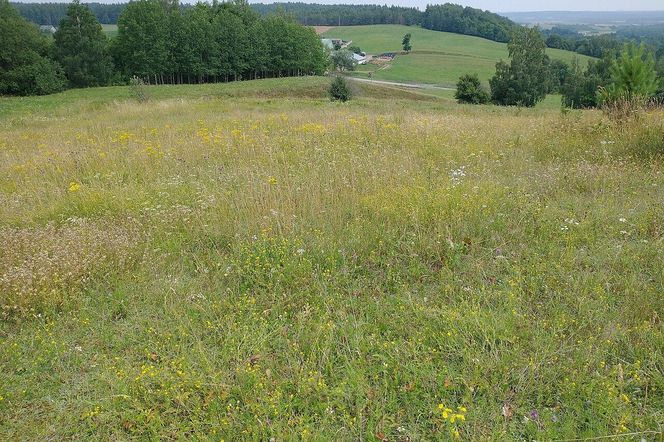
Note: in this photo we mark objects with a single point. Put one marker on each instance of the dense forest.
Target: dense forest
(305, 13)
(567, 38)
(469, 21)
(157, 42)
(53, 13)
(343, 15)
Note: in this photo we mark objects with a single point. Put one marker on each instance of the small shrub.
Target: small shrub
(469, 90)
(138, 89)
(355, 49)
(339, 89)
(343, 60)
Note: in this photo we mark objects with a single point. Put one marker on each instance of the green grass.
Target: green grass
(252, 261)
(78, 101)
(437, 57)
(110, 30)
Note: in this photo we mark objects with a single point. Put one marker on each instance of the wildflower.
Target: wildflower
(452, 416)
(74, 186)
(272, 180)
(622, 220)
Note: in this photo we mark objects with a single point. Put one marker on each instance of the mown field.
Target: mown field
(251, 261)
(437, 57)
(110, 30)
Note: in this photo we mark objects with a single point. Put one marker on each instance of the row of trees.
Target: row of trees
(592, 46)
(312, 14)
(305, 13)
(220, 42)
(530, 75)
(158, 42)
(53, 13)
(447, 17)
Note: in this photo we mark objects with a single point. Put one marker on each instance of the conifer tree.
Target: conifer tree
(81, 48)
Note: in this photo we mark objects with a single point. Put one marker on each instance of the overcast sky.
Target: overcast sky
(519, 5)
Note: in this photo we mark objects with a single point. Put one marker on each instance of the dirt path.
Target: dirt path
(321, 29)
(410, 85)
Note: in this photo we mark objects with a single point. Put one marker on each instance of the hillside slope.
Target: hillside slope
(437, 57)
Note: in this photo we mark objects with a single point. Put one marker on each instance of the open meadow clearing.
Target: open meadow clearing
(252, 261)
(437, 57)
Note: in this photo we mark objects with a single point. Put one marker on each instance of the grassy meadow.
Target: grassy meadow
(110, 30)
(252, 261)
(437, 57)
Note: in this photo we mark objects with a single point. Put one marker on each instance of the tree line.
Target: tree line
(305, 13)
(312, 14)
(629, 74)
(53, 13)
(561, 37)
(158, 42)
(447, 17)
(468, 21)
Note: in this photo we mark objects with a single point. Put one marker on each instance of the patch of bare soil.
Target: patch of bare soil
(321, 29)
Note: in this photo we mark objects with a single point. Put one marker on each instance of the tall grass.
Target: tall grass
(245, 268)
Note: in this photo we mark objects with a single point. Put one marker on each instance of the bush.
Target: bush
(138, 89)
(339, 89)
(42, 77)
(355, 49)
(343, 60)
(469, 90)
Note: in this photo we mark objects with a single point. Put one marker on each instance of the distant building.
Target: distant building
(360, 58)
(330, 43)
(47, 29)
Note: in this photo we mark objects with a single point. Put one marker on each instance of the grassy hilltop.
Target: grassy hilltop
(437, 57)
(251, 261)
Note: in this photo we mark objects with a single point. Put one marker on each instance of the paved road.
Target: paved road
(410, 85)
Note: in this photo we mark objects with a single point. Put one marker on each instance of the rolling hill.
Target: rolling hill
(437, 57)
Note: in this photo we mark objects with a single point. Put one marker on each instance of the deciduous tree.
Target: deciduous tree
(524, 81)
(24, 67)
